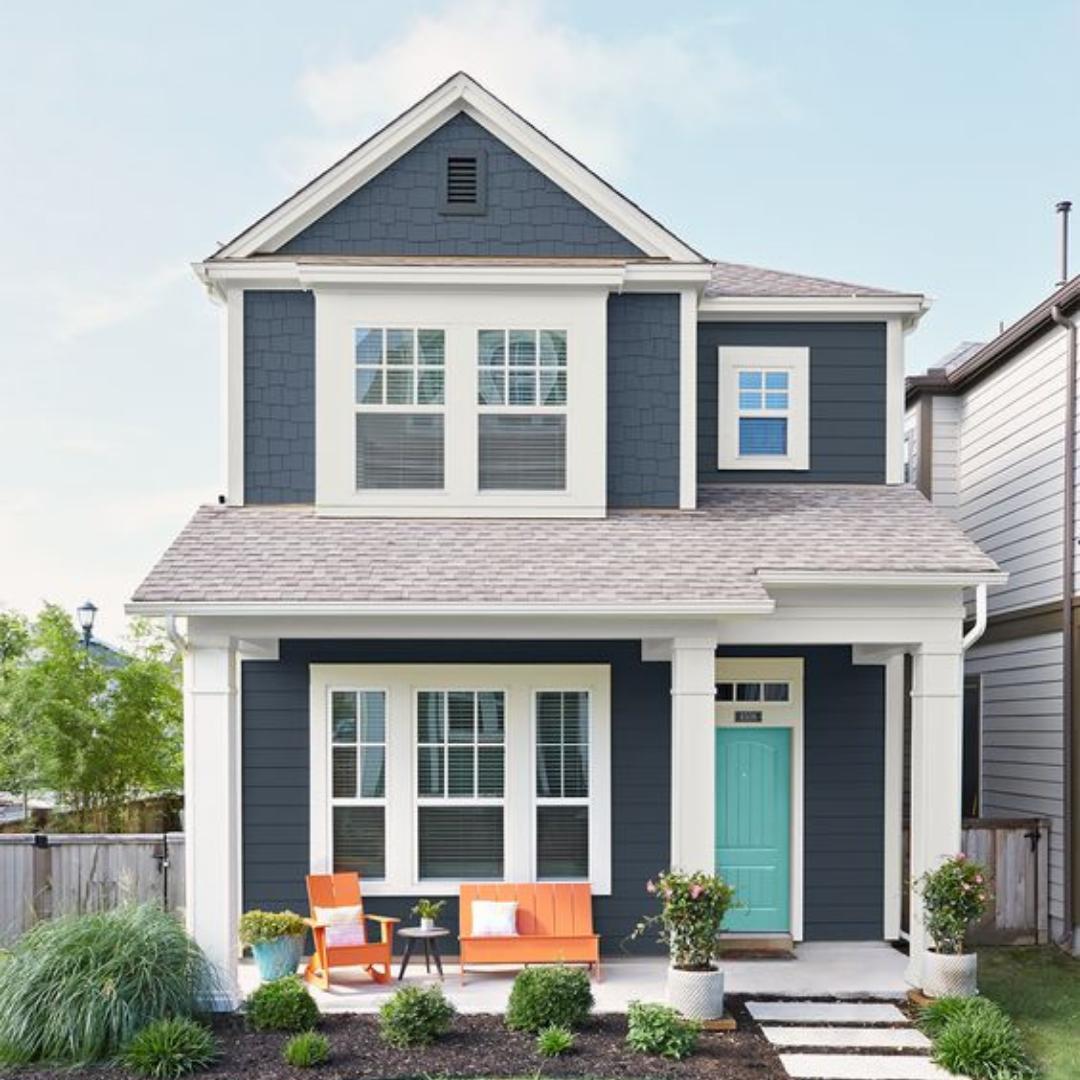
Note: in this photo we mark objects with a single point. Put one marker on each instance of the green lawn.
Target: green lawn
(1040, 989)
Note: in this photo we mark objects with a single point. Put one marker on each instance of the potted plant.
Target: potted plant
(276, 939)
(428, 911)
(692, 910)
(954, 896)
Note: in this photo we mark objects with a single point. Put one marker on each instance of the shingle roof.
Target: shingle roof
(738, 279)
(709, 556)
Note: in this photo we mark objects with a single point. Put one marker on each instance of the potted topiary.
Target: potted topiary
(428, 911)
(692, 910)
(276, 939)
(954, 896)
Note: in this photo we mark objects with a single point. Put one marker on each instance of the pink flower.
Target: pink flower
(650, 886)
(978, 879)
(960, 856)
(695, 891)
(667, 892)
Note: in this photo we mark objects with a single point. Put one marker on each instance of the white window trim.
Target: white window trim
(787, 714)
(796, 362)
(581, 312)
(520, 683)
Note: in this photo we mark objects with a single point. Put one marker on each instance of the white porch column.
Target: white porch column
(693, 752)
(936, 773)
(211, 807)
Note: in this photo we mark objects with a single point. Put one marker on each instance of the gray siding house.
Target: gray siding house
(551, 549)
(988, 443)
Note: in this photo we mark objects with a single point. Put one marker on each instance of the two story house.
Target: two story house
(553, 550)
(991, 437)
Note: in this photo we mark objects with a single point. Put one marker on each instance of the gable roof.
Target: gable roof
(458, 94)
(715, 558)
(738, 279)
(971, 362)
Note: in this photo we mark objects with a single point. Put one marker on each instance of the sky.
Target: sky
(902, 143)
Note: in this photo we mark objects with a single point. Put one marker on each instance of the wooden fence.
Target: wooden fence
(46, 875)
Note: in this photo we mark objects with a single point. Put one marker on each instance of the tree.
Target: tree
(96, 736)
(16, 760)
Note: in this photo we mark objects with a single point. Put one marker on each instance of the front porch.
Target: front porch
(870, 969)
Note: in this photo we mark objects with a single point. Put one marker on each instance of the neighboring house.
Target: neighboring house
(988, 439)
(552, 549)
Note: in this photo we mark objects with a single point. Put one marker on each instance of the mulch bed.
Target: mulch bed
(478, 1046)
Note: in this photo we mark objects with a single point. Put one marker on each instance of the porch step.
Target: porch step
(757, 947)
(862, 1067)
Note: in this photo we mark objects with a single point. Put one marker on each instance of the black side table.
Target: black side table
(430, 938)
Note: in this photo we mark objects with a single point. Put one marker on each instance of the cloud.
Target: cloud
(80, 313)
(595, 92)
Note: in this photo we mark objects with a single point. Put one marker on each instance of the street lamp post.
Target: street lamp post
(86, 615)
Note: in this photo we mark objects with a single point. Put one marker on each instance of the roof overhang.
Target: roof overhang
(460, 93)
(916, 579)
(908, 307)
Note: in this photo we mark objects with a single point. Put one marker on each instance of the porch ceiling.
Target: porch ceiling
(712, 558)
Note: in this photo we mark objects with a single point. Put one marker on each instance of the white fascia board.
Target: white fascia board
(884, 578)
(781, 308)
(655, 277)
(458, 94)
(675, 609)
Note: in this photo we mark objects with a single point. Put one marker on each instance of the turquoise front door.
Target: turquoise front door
(753, 824)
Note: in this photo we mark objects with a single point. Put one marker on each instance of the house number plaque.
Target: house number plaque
(747, 716)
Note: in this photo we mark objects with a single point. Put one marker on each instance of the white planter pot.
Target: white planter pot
(427, 924)
(947, 975)
(698, 995)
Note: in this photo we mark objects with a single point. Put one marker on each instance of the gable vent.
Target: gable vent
(463, 184)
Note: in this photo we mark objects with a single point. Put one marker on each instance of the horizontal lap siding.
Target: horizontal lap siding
(276, 750)
(1011, 461)
(1021, 683)
(844, 777)
(847, 399)
(945, 449)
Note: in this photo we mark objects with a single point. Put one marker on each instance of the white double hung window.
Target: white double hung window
(562, 784)
(358, 780)
(764, 408)
(400, 394)
(460, 771)
(522, 399)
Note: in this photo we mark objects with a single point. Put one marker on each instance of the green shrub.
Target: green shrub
(982, 1044)
(935, 1017)
(77, 988)
(306, 1050)
(170, 1048)
(544, 997)
(659, 1029)
(415, 1017)
(282, 1005)
(257, 927)
(553, 1041)
(954, 896)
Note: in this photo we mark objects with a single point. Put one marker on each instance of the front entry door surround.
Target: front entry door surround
(759, 790)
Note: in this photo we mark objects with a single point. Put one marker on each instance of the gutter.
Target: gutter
(1070, 745)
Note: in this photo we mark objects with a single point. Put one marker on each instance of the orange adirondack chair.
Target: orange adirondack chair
(343, 890)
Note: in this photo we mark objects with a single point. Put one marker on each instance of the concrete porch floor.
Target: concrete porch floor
(820, 969)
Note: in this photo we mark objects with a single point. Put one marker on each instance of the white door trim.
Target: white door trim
(790, 715)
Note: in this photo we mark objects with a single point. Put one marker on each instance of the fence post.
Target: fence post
(41, 878)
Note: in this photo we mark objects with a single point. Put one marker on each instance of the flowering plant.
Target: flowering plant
(693, 907)
(955, 895)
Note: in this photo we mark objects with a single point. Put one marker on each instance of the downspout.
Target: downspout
(180, 643)
(1067, 568)
(979, 628)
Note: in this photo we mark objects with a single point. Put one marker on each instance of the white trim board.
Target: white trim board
(401, 682)
(460, 93)
(788, 669)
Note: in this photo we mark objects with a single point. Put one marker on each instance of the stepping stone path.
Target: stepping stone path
(836, 1040)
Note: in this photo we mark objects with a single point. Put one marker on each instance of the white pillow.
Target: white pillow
(494, 918)
(338, 916)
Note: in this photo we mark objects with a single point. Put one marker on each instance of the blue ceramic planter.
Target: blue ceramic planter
(279, 957)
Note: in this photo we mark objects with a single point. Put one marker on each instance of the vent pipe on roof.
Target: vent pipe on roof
(1063, 208)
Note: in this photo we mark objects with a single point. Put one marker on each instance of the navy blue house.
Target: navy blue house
(553, 550)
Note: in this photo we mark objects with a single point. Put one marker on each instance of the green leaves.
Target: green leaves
(693, 909)
(955, 895)
(415, 1017)
(257, 927)
(660, 1029)
(96, 735)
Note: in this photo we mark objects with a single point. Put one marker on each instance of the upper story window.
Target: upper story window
(400, 396)
(764, 420)
(522, 395)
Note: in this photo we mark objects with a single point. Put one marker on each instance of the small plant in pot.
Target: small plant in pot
(427, 911)
(692, 910)
(954, 896)
(276, 939)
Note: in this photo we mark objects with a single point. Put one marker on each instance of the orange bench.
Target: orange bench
(554, 924)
